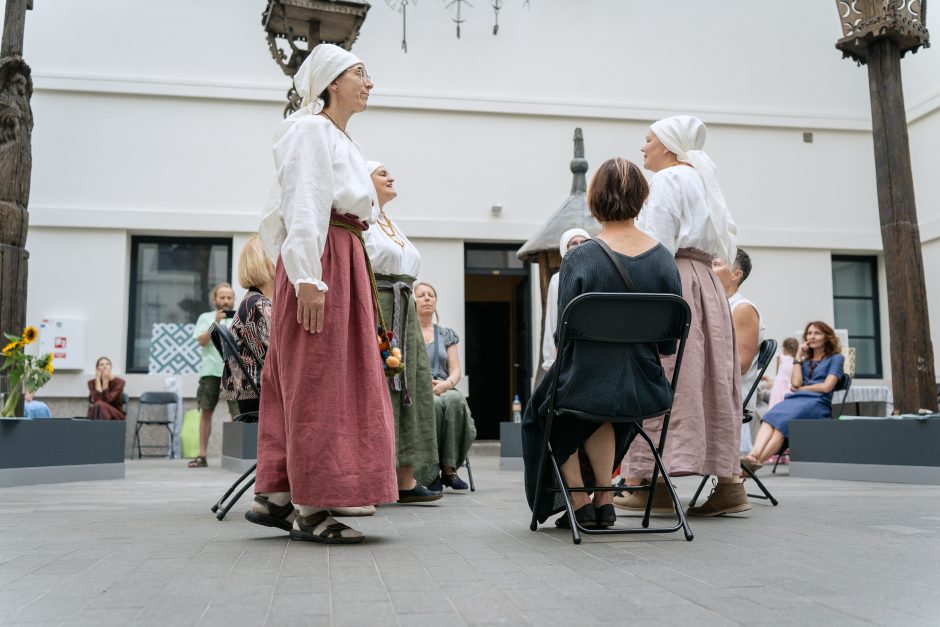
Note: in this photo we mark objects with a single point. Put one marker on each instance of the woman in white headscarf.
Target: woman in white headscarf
(572, 238)
(396, 263)
(686, 212)
(326, 428)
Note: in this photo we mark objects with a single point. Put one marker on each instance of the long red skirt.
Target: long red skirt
(326, 431)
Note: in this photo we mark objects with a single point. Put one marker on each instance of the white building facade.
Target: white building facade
(153, 126)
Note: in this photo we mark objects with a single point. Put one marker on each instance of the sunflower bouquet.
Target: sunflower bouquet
(24, 372)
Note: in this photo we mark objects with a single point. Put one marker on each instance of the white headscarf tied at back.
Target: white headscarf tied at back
(685, 136)
(372, 166)
(321, 67)
(569, 235)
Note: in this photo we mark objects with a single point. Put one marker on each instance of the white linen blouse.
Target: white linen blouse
(676, 213)
(386, 256)
(318, 168)
(549, 351)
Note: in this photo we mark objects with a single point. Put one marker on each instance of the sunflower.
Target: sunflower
(9, 348)
(49, 367)
(30, 334)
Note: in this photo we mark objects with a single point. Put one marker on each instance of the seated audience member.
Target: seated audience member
(250, 326)
(820, 364)
(570, 239)
(105, 393)
(456, 430)
(597, 378)
(781, 385)
(33, 408)
(748, 330)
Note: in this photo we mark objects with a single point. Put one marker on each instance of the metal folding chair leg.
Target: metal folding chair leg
(466, 463)
(760, 484)
(577, 529)
(222, 507)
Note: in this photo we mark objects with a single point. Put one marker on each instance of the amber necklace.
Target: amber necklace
(388, 229)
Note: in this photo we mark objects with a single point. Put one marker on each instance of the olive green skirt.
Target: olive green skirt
(415, 424)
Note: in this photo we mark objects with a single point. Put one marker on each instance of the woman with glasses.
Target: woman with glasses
(326, 427)
(570, 239)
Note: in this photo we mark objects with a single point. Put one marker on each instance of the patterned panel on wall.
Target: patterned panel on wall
(173, 349)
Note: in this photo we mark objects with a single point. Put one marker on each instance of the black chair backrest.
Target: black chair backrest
(844, 385)
(125, 401)
(768, 348)
(628, 318)
(158, 398)
(227, 345)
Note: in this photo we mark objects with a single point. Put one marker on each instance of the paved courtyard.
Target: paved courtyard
(146, 550)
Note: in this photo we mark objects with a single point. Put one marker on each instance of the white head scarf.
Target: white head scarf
(372, 166)
(569, 235)
(319, 69)
(685, 136)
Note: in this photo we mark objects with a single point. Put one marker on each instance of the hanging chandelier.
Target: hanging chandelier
(457, 7)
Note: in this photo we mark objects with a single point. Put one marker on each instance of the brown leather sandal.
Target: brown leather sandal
(199, 462)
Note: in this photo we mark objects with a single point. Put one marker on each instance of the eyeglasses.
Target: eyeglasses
(361, 73)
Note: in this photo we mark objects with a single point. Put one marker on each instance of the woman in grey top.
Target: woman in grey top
(596, 379)
(455, 428)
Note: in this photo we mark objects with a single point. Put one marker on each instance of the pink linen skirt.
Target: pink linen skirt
(704, 434)
(326, 431)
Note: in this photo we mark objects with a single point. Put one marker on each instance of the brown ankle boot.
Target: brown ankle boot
(725, 498)
(636, 501)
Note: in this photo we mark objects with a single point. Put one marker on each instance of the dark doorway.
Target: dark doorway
(498, 327)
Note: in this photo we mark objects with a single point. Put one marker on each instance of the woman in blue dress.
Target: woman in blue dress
(820, 369)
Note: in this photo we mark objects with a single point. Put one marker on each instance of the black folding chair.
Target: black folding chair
(155, 398)
(621, 318)
(225, 342)
(768, 348)
(844, 385)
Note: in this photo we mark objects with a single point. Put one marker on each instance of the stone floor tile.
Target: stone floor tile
(820, 557)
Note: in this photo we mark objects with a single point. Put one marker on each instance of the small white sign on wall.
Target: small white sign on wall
(65, 339)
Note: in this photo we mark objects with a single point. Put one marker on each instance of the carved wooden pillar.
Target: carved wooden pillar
(16, 127)
(879, 33)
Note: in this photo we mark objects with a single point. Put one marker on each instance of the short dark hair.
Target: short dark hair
(742, 262)
(617, 191)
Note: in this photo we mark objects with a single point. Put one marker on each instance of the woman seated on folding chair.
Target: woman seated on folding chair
(591, 380)
(818, 368)
(250, 326)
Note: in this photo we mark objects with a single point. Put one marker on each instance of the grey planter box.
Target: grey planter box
(239, 445)
(885, 449)
(510, 446)
(60, 450)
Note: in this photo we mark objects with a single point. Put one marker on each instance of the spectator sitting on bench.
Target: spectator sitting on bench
(105, 393)
(33, 408)
(820, 368)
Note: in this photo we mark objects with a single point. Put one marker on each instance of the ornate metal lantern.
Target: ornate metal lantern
(309, 22)
(866, 21)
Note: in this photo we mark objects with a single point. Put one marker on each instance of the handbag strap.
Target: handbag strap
(437, 359)
(617, 264)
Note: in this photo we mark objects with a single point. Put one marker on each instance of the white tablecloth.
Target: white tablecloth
(871, 394)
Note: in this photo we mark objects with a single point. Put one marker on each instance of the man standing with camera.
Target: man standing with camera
(222, 298)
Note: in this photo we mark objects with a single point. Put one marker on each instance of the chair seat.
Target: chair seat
(583, 415)
(248, 417)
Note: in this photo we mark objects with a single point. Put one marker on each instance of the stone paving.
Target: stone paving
(146, 550)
